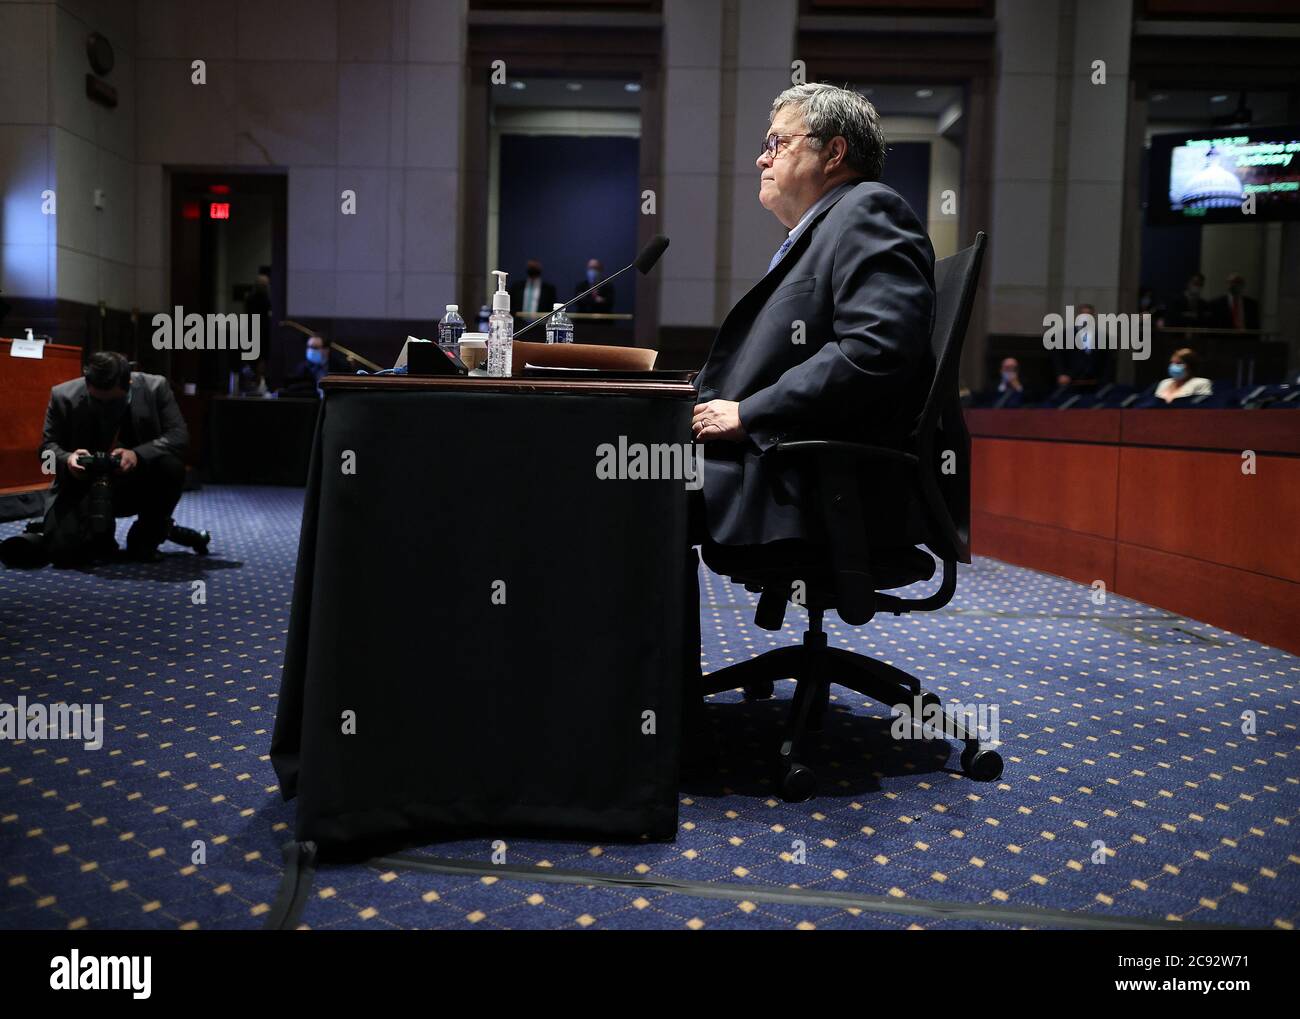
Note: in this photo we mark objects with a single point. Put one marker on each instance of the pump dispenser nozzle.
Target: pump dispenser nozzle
(501, 299)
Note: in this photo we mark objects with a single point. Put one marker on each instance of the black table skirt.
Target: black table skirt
(470, 716)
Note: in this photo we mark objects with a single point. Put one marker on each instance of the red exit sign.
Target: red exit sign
(219, 210)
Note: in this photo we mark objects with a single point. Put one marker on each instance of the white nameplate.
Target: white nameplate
(27, 348)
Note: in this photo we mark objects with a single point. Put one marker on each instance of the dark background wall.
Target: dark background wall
(907, 171)
(565, 199)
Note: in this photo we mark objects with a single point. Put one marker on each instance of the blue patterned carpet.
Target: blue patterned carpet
(1121, 726)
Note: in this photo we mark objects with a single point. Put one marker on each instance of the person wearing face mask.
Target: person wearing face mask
(532, 293)
(319, 361)
(1234, 310)
(1010, 391)
(133, 416)
(1190, 310)
(600, 300)
(1183, 380)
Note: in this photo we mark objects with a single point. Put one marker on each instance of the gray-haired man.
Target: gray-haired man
(834, 341)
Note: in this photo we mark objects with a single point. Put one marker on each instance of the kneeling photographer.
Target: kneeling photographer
(118, 439)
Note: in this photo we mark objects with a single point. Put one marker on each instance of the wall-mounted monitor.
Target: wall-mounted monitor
(1209, 176)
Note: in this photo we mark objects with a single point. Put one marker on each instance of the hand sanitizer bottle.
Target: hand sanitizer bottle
(501, 331)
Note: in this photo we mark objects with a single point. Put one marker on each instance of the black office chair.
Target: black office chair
(931, 491)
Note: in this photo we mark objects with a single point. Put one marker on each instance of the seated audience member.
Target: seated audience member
(133, 417)
(1010, 391)
(1183, 379)
(1234, 310)
(1190, 310)
(320, 361)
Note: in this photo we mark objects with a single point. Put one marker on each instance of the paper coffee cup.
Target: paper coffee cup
(473, 350)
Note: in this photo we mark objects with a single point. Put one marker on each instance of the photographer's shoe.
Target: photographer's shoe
(190, 538)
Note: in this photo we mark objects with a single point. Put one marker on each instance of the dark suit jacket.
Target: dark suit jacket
(156, 421)
(1221, 313)
(545, 301)
(589, 303)
(861, 280)
(1083, 365)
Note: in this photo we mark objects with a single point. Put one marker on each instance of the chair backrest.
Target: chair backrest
(942, 428)
(582, 355)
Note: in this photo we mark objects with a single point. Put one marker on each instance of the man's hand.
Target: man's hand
(74, 465)
(126, 460)
(1063, 380)
(717, 420)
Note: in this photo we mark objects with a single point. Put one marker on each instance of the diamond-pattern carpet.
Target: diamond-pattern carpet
(1134, 785)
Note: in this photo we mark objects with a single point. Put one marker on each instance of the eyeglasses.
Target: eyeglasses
(773, 142)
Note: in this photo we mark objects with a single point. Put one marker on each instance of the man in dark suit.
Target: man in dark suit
(834, 340)
(132, 416)
(600, 300)
(1086, 363)
(532, 293)
(1234, 310)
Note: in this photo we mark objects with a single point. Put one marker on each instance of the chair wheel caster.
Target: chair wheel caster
(798, 784)
(981, 765)
(760, 691)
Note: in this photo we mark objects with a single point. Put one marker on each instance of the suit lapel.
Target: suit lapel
(761, 290)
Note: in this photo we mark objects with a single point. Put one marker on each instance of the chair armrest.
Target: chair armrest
(852, 449)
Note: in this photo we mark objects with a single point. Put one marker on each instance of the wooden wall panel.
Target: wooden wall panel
(1264, 431)
(1069, 554)
(1199, 504)
(24, 394)
(1261, 608)
(1045, 425)
(1059, 484)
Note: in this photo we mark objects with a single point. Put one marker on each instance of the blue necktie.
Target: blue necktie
(780, 252)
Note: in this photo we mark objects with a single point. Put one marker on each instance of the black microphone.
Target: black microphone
(643, 263)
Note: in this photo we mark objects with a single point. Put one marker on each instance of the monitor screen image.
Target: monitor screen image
(1212, 176)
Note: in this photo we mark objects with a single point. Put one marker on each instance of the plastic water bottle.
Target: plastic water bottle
(450, 330)
(501, 331)
(559, 327)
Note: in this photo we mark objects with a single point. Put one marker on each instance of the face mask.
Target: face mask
(592, 275)
(534, 273)
(316, 355)
(1008, 376)
(1193, 291)
(1177, 371)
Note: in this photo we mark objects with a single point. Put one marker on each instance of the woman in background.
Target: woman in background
(1184, 378)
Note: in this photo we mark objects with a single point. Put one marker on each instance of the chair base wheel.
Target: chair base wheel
(981, 765)
(798, 783)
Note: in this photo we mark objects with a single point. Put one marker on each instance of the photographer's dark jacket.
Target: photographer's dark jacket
(152, 425)
(832, 343)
